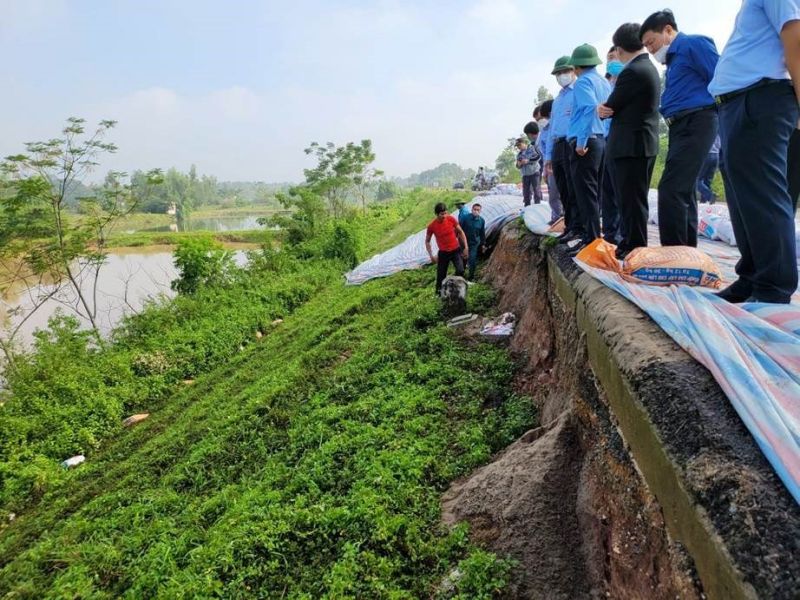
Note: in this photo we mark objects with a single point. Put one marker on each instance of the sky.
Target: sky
(240, 88)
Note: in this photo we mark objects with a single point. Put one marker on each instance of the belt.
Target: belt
(685, 113)
(723, 98)
(594, 136)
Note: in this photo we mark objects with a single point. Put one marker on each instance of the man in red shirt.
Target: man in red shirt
(448, 233)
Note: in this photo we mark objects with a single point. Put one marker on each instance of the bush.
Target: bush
(201, 261)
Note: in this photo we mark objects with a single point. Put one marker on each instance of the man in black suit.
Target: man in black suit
(633, 139)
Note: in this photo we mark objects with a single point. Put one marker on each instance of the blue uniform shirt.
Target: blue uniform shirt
(474, 230)
(591, 89)
(755, 50)
(691, 61)
(543, 142)
(463, 213)
(560, 116)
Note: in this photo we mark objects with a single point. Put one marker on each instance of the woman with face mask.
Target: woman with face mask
(690, 113)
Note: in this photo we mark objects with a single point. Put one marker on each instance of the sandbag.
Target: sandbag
(672, 265)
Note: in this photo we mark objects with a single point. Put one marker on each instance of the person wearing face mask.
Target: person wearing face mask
(633, 140)
(757, 88)
(690, 113)
(588, 141)
(557, 153)
(609, 203)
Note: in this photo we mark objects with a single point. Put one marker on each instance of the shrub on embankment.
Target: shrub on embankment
(308, 465)
(66, 395)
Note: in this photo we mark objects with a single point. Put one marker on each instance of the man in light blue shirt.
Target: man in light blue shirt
(759, 107)
(586, 135)
(557, 154)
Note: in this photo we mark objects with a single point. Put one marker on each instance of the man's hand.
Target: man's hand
(604, 112)
(465, 253)
(434, 259)
(581, 151)
(548, 168)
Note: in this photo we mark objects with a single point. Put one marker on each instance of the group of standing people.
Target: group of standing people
(602, 138)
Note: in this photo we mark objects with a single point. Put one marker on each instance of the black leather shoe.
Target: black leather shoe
(567, 236)
(574, 249)
(734, 294)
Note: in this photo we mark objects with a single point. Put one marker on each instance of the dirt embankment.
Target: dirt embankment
(570, 502)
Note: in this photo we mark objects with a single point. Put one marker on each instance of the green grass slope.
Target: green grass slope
(309, 465)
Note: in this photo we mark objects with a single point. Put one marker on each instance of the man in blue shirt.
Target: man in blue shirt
(759, 111)
(557, 153)
(474, 227)
(553, 197)
(586, 136)
(690, 113)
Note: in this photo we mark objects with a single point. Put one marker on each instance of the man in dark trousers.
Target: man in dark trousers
(474, 227)
(587, 138)
(759, 108)
(448, 234)
(690, 113)
(633, 139)
(557, 153)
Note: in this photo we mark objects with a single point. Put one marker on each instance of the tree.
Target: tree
(386, 190)
(543, 94)
(46, 241)
(505, 165)
(341, 170)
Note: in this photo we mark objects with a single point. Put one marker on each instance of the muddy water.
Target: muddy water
(127, 281)
(218, 224)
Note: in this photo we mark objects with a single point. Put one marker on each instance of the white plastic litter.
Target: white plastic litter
(73, 462)
(503, 326)
(462, 320)
(497, 210)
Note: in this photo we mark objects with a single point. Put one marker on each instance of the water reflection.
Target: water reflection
(127, 281)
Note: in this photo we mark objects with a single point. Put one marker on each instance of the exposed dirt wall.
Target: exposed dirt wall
(631, 426)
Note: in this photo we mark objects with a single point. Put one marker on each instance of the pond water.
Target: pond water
(129, 278)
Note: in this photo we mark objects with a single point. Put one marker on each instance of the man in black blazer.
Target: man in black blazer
(633, 139)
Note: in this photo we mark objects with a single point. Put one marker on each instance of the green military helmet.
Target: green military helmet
(562, 64)
(585, 56)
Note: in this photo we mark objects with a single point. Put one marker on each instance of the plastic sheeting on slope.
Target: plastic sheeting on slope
(496, 209)
(752, 350)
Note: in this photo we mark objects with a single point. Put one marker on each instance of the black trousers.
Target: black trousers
(586, 181)
(537, 187)
(529, 183)
(793, 166)
(562, 171)
(633, 177)
(609, 203)
(443, 262)
(690, 139)
(755, 130)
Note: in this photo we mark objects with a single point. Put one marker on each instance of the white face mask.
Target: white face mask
(564, 79)
(542, 123)
(661, 54)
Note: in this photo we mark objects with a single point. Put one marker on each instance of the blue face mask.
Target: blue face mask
(614, 68)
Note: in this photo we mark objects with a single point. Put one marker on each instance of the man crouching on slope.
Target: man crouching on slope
(448, 233)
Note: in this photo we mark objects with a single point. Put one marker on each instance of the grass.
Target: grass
(171, 238)
(307, 465)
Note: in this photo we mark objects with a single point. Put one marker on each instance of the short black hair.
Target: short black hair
(657, 21)
(476, 204)
(612, 49)
(440, 206)
(546, 108)
(537, 111)
(531, 127)
(628, 37)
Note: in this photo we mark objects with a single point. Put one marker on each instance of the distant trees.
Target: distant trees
(45, 249)
(445, 175)
(543, 94)
(505, 164)
(342, 171)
